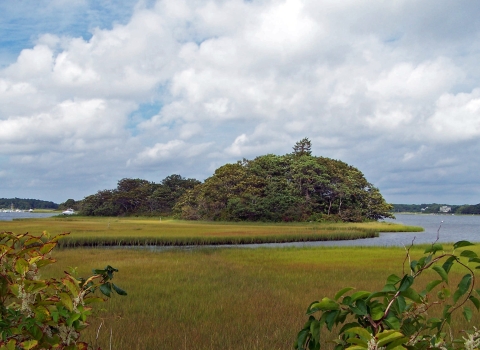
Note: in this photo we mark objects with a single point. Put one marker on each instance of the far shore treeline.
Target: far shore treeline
(294, 187)
(26, 204)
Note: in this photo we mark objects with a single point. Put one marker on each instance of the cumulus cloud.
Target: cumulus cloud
(392, 88)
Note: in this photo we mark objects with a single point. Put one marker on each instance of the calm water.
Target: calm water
(24, 215)
(453, 228)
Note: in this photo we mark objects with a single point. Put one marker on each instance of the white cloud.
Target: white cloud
(164, 152)
(456, 118)
(375, 84)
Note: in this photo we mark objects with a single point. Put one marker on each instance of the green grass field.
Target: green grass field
(94, 231)
(224, 298)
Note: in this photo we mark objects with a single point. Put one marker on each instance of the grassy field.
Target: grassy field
(94, 231)
(226, 298)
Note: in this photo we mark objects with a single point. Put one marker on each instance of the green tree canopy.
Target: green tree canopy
(137, 197)
(292, 187)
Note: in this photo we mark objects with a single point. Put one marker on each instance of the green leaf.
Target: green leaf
(397, 344)
(36, 332)
(441, 272)
(460, 244)
(389, 288)
(432, 285)
(301, 338)
(357, 347)
(392, 321)
(393, 279)
(29, 344)
(362, 306)
(462, 287)
(71, 285)
(411, 294)
(377, 312)
(386, 337)
(413, 265)
(361, 332)
(41, 313)
(359, 295)
(342, 292)
(90, 300)
(359, 343)
(315, 330)
(475, 302)
(434, 248)
(119, 290)
(447, 265)
(444, 293)
(66, 301)
(347, 326)
(21, 266)
(106, 289)
(73, 318)
(11, 344)
(47, 248)
(469, 254)
(446, 311)
(400, 304)
(406, 282)
(330, 318)
(45, 262)
(467, 313)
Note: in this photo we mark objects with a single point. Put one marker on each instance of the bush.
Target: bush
(399, 316)
(44, 313)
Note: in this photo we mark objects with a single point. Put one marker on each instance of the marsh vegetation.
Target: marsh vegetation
(107, 231)
(226, 298)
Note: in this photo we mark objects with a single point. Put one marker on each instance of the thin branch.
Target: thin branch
(408, 255)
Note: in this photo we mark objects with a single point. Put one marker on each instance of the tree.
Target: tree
(303, 148)
(292, 187)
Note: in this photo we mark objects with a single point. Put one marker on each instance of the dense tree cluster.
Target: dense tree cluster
(137, 197)
(26, 204)
(292, 187)
(468, 209)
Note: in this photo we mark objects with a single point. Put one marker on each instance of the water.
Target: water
(24, 215)
(450, 228)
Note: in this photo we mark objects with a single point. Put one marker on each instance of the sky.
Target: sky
(93, 91)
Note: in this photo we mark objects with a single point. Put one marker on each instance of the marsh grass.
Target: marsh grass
(215, 298)
(91, 231)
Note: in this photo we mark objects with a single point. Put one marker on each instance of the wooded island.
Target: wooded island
(294, 187)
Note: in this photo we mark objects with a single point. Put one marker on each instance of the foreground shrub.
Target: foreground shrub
(401, 316)
(44, 313)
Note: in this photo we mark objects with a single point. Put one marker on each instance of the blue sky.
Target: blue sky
(95, 91)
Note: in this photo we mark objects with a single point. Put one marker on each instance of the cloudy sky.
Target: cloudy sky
(93, 91)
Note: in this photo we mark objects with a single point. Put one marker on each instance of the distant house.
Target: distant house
(444, 209)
